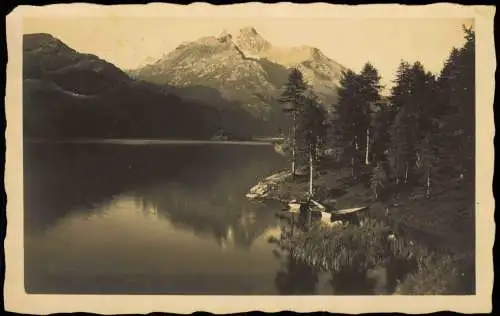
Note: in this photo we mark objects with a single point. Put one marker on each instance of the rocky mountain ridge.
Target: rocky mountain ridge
(245, 68)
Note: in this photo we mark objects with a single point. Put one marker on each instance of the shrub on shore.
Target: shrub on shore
(434, 276)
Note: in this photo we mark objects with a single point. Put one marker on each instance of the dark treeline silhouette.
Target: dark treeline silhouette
(72, 95)
(423, 134)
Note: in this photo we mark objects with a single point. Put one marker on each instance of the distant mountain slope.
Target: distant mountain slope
(244, 68)
(68, 94)
(216, 63)
(47, 58)
(319, 70)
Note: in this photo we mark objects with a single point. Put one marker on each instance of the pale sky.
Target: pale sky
(128, 42)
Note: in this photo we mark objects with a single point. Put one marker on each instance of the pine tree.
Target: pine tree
(428, 159)
(467, 108)
(400, 91)
(369, 99)
(456, 97)
(463, 85)
(381, 122)
(292, 97)
(313, 130)
(348, 119)
(402, 145)
(334, 135)
(413, 96)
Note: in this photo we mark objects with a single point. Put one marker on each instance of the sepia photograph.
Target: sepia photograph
(252, 155)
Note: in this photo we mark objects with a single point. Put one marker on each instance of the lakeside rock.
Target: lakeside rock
(265, 188)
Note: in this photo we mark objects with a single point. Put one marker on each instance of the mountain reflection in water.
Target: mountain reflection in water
(155, 219)
(186, 208)
(103, 218)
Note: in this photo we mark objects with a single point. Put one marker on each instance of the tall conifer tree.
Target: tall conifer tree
(292, 98)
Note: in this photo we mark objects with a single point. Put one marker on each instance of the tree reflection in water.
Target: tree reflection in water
(225, 218)
(299, 277)
(361, 260)
(295, 276)
(351, 281)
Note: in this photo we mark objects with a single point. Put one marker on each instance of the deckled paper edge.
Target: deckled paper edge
(15, 298)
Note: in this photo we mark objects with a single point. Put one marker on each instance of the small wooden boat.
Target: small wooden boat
(348, 210)
(318, 205)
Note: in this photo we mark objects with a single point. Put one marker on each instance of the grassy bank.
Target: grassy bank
(434, 245)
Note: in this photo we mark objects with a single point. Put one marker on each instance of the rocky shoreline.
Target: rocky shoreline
(269, 187)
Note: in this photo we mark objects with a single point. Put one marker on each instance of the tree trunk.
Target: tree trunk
(367, 154)
(310, 171)
(397, 170)
(293, 142)
(316, 152)
(308, 218)
(428, 191)
(375, 191)
(353, 159)
(352, 167)
(406, 173)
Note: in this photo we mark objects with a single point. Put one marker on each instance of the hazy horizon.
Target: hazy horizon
(129, 42)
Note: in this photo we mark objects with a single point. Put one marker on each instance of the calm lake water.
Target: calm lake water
(155, 219)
